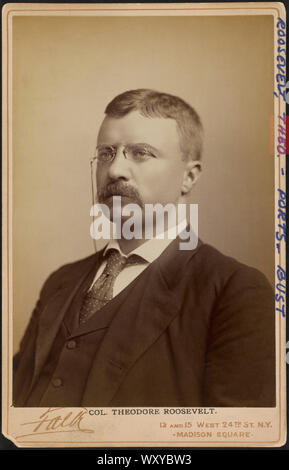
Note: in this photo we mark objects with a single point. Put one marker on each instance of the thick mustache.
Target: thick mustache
(119, 189)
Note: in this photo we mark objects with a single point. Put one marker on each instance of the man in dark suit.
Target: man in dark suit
(143, 322)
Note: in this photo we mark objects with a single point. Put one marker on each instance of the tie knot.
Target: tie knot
(102, 290)
(115, 262)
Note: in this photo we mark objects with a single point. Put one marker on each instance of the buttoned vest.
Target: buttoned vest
(63, 377)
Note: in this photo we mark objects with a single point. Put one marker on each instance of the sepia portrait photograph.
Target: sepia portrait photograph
(141, 185)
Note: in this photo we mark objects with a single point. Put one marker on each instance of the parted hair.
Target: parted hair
(151, 103)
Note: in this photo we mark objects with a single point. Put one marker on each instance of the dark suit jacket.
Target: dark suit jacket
(196, 330)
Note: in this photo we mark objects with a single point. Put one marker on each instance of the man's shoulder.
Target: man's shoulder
(213, 259)
(68, 272)
(76, 265)
(211, 263)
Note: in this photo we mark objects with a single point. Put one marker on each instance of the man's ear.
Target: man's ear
(191, 174)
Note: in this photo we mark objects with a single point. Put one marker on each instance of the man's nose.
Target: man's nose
(119, 168)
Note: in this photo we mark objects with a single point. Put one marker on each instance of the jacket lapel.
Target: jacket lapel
(54, 311)
(154, 301)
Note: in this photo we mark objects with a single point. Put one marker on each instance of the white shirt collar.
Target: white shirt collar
(152, 248)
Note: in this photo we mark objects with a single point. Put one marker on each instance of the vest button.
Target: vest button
(71, 344)
(57, 382)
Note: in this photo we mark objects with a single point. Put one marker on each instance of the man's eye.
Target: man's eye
(141, 154)
(105, 154)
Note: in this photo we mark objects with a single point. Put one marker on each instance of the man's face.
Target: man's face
(156, 179)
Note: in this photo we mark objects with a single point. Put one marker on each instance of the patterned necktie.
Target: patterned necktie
(102, 290)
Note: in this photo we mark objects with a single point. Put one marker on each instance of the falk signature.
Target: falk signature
(57, 420)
